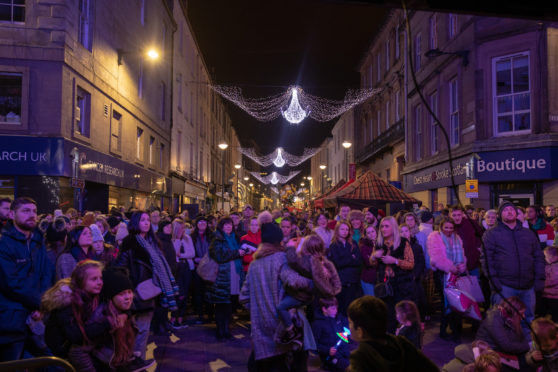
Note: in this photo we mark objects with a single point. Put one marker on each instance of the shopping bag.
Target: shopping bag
(208, 269)
(470, 284)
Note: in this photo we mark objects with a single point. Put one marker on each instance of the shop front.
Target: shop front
(58, 173)
(523, 176)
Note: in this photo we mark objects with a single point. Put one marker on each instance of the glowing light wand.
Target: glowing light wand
(343, 337)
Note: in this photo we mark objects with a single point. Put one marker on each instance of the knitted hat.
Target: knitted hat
(503, 205)
(115, 280)
(113, 221)
(96, 232)
(122, 232)
(425, 216)
(271, 233)
(162, 224)
(56, 231)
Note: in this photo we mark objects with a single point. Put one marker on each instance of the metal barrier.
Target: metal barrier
(34, 363)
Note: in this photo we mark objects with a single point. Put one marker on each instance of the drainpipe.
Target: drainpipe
(406, 67)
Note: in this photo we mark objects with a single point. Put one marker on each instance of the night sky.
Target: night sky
(266, 46)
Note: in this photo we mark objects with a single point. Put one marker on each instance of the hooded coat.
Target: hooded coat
(389, 354)
(25, 274)
(262, 292)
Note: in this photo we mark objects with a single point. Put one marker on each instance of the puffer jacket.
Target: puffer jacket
(25, 274)
(219, 250)
(513, 257)
(500, 335)
(136, 259)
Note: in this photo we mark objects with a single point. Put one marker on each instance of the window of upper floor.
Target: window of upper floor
(12, 11)
(511, 94)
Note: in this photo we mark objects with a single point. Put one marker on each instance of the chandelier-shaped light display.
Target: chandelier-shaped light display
(295, 104)
(294, 114)
(274, 178)
(279, 157)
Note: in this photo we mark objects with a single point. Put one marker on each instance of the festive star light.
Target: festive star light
(279, 157)
(301, 105)
(274, 178)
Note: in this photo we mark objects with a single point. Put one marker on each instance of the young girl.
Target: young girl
(310, 262)
(408, 316)
(75, 317)
(346, 257)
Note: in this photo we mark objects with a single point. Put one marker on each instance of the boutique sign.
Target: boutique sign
(516, 165)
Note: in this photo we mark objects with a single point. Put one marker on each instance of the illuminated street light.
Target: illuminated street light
(302, 184)
(309, 178)
(223, 145)
(251, 185)
(347, 144)
(322, 167)
(246, 178)
(238, 166)
(152, 54)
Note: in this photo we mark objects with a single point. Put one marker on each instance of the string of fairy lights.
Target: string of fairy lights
(295, 104)
(279, 157)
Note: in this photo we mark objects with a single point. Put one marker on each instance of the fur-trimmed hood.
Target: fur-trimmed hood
(267, 249)
(325, 276)
(57, 297)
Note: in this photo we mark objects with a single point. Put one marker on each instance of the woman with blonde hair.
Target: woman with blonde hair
(346, 256)
(185, 254)
(394, 257)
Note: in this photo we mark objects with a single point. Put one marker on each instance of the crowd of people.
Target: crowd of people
(91, 287)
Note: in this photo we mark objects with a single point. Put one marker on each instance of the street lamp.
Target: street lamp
(309, 186)
(347, 145)
(464, 54)
(223, 146)
(151, 54)
(237, 167)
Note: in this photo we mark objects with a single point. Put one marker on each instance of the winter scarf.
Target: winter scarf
(454, 251)
(162, 275)
(539, 224)
(233, 246)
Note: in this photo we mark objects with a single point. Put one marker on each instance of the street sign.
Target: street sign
(472, 188)
(78, 183)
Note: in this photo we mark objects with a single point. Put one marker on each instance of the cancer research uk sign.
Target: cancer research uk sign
(22, 155)
(518, 165)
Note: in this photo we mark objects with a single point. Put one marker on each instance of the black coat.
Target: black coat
(134, 257)
(347, 260)
(420, 264)
(325, 333)
(168, 251)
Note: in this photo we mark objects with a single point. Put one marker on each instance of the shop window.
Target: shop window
(12, 11)
(83, 112)
(11, 86)
(433, 126)
(512, 95)
(454, 113)
(84, 24)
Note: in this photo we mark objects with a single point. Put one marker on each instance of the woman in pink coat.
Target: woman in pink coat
(445, 249)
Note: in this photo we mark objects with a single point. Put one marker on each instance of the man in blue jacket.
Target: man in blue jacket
(25, 274)
(513, 260)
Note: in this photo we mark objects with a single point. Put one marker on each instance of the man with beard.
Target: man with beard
(25, 274)
(4, 211)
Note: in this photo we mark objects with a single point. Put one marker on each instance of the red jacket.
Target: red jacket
(251, 239)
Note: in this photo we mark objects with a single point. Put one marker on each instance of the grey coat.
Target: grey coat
(261, 293)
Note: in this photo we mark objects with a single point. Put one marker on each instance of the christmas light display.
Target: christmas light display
(279, 157)
(274, 178)
(301, 105)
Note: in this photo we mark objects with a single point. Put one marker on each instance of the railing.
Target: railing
(389, 137)
(34, 363)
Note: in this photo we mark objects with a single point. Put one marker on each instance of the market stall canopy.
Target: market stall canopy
(367, 191)
(319, 202)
